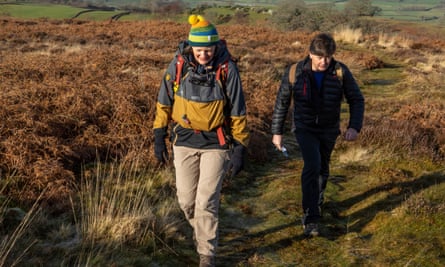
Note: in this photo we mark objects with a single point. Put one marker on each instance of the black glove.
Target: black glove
(236, 163)
(161, 151)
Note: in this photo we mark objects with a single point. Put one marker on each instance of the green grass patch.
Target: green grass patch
(406, 240)
(410, 10)
(33, 11)
(380, 82)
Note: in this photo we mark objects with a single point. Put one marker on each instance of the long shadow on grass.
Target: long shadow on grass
(397, 192)
(240, 244)
(245, 247)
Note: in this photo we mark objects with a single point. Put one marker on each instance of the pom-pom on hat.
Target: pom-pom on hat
(202, 32)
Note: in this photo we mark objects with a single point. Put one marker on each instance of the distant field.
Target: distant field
(33, 11)
(27, 11)
(410, 10)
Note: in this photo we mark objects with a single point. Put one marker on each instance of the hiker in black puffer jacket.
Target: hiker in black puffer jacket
(317, 86)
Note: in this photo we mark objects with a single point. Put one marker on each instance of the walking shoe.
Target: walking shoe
(206, 261)
(310, 229)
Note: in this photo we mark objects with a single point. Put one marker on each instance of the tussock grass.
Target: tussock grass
(431, 63)
(124, 205)
(15, 227)
(415, 130)
(353, 155)
(387, 40)
(349, 35)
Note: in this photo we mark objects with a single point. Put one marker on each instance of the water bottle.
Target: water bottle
(284, 151)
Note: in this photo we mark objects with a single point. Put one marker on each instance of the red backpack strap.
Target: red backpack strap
(221, 72)
(179, 64)
(223, 69)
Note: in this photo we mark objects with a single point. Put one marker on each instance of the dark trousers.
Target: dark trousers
(316, 149)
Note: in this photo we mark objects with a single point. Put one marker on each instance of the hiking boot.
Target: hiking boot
(206, 261)
(310, 230)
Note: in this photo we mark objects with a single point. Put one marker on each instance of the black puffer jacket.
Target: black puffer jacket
(318, 110)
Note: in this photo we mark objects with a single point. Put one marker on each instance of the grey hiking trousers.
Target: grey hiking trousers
(199, 177)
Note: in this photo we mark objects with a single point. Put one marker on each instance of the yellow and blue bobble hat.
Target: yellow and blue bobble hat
(202, 32)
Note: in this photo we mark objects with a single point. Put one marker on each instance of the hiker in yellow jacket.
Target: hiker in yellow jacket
(201, 96)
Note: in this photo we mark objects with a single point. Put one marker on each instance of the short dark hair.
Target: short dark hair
(323, 44)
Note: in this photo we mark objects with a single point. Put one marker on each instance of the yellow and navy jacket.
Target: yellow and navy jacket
(200, 107)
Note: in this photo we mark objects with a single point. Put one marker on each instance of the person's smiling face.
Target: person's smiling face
(320, 63)
(204, 54)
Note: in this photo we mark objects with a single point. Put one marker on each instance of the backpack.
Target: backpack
(296, 69)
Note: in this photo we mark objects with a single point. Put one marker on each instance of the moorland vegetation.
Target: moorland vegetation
(80, 186)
